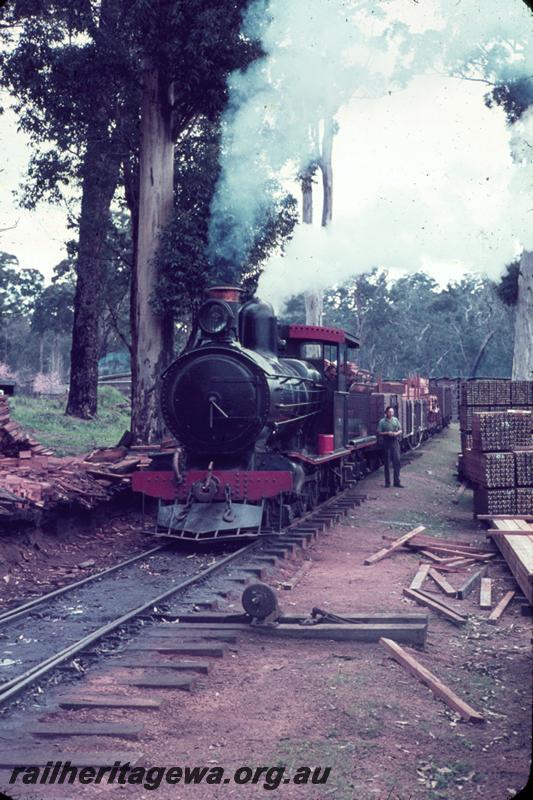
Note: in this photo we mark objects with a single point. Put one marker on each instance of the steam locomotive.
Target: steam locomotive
(266, 421)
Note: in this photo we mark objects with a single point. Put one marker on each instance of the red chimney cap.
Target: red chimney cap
(232, 294)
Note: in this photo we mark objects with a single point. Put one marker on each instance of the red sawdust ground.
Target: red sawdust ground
(346, 705)
(33, 562)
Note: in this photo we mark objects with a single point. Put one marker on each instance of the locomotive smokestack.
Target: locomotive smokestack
(231, 294)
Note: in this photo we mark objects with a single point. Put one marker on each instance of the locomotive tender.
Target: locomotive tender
(266, 428)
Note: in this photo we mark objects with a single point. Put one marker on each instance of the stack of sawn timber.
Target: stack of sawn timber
(500, 463)
(33, 480)
(495, 394)
(497, 444)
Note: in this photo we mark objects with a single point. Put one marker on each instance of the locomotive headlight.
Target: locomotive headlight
(214, 316)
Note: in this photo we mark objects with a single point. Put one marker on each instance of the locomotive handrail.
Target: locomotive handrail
(294, 419)
(297, 405)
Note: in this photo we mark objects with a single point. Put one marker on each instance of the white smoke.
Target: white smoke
(440, 192)
(422, 175)
(319, 53)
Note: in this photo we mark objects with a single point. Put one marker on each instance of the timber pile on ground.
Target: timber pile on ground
(33, 480)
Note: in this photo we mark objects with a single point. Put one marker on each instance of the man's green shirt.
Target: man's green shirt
(392, 424)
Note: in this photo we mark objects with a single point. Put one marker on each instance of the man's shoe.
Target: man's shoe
(399, 486)
(387, 486)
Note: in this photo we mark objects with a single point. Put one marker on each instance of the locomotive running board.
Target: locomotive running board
(208, 518)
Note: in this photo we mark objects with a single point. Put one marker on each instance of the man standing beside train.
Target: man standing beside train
(390, 431)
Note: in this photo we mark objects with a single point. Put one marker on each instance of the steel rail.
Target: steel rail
(15, 685)
(19, 611)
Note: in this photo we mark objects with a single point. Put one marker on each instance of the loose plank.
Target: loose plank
(424, 600)
(470, 583)
(386, 551)
(420, 576)
(500, 608)
(431, 556)
(457, 551)
(431, 680)
(485, 593)
(442, 583)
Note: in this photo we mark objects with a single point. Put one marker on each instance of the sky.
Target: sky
(38, 237)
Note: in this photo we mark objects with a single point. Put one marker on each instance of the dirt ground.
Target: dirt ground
(34, 561)
(346, 705)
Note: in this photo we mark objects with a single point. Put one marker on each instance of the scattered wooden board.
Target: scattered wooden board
(437, 687)
(500, 608)
(485, 593)
(386, 551)
(297, 577)
(463, 552)
(420, 576)
(471, 582)
(424, 600)
(442, 583)
(431, 556)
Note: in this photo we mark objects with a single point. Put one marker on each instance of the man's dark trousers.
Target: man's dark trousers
(391, 454)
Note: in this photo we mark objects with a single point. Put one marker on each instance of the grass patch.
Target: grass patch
(45, 418)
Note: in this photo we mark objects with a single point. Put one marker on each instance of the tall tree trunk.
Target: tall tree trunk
(131, 192)
(481, 352)
(314, 299)
(313, 309)
(152, 332)
(100, 177)
(523, 331)
(100, 173)
(326, 166)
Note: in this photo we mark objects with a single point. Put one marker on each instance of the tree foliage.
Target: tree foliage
(185, 270)
(411, 324)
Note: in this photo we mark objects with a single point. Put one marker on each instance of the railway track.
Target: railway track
(52, 632)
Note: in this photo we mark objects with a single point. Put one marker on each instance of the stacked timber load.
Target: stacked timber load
(524, 481)
(500, 463)
(494, 501)
(490, 470)
(498, 394)
(491, 392)
(524, 467)
(501, 430)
